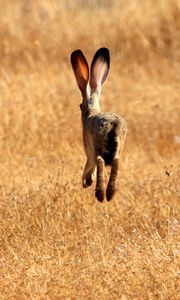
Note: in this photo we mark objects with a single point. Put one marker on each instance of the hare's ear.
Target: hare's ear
(81, 69)
(99, 68)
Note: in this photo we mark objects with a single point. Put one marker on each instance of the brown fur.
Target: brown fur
(103, 133)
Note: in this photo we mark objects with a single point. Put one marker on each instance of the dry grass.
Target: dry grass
(56, 240)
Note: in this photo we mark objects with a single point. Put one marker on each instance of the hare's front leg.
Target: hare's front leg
(111, 188)
(88, 174)
(100, 179)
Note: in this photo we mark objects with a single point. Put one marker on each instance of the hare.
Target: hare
(104, 133)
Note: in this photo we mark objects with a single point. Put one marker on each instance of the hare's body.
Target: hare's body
(103, 135)
(103, 132)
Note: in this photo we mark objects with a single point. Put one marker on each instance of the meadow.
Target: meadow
(56, 240)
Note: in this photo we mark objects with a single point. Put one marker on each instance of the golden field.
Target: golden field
(56, 240)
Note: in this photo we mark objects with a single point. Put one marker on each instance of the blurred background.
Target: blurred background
(138, 31)
(56, 241)
(37, 38)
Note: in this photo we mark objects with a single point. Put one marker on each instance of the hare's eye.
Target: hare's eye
(81, 106)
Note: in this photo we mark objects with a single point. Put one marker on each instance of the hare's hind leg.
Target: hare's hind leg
(88, 174)
(100, 179)
(111, 187)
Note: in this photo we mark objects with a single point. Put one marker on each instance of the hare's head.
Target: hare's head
(90, 83)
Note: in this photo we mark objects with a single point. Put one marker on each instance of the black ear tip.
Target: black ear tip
(104, 53)
(76, 53)
(104, 49)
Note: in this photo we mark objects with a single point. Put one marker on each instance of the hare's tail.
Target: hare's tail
(110, 145)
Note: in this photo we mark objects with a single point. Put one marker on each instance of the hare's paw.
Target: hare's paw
(88, 178)
(87, 181)
(99, 194)
(111, 189)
